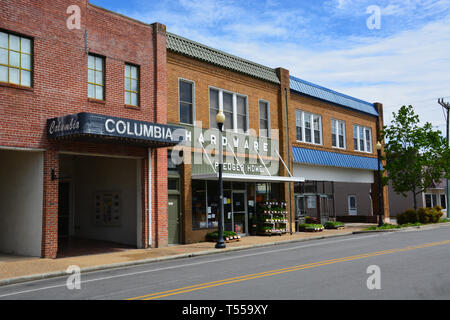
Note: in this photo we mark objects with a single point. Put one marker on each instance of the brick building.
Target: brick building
(91, 100)
(83, 128)
(315, 138)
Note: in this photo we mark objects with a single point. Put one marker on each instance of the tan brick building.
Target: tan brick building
(202, 80)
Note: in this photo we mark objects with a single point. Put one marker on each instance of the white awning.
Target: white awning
(246, 177)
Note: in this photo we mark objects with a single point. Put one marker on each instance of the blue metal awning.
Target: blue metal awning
(333, 159)
(319, 92)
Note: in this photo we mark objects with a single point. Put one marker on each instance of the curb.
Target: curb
(407, 229)
(56, 274)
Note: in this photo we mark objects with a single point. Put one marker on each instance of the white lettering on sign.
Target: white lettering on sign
(137, 129)
(59, 126)
(121, 127)
(109, 128)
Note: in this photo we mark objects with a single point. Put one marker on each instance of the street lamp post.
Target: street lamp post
(220, 119)
(380, 214)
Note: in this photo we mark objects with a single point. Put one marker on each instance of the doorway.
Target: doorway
(235, 211)
(174, 219)
(239, 199)
(352, 208)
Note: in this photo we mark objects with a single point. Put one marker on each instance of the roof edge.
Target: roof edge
(332, 91)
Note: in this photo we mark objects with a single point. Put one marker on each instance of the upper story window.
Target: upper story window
(264, 124)
(362, 138)
(338, 133)
(15, 59)
(96, 77)
(233, 105)
(186, 96)
(308, 127)
(131, 85)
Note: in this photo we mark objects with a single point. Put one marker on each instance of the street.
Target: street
(412, 265)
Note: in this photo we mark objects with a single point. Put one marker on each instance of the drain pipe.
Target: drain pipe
(149, 197)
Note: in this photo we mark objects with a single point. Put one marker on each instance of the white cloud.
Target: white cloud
(406, 67)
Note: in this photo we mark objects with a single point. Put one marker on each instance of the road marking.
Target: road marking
(206, 285)
(177, 266)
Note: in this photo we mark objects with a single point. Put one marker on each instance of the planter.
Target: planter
(310, 227)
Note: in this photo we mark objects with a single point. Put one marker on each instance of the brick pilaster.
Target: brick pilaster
(50, 209)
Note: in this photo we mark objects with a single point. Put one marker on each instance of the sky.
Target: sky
(396, 52)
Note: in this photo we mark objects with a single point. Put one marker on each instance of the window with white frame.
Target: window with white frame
(443, 201)
(430, 200)
(233, 105)
(264, 126)
(338, 133)
(362, 138)
(308, 127)
(186, 96)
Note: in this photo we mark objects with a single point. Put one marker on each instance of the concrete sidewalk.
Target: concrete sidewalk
(15, 269)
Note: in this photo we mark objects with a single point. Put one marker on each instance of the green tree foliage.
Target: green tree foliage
(417, 157)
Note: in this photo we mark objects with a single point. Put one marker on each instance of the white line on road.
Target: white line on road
(184, 265)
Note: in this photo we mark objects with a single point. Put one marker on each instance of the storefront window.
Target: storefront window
(199, 217)
(314, 199)
(213, 203)
(205, 204)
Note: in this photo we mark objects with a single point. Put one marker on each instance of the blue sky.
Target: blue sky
(405, 61)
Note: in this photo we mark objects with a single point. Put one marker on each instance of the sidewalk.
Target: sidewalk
(15, 269)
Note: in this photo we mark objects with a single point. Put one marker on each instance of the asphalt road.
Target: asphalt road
(412, 265)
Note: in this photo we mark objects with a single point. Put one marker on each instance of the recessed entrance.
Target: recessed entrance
(99, 204)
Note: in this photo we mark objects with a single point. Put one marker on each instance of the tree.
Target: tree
(417, 158)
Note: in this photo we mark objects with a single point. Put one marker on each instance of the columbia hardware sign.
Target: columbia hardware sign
(103, 125)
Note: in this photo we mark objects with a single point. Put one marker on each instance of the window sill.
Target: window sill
(366, 152)
(310, 143)
(16, 86)
(96, 101)
(129, 106)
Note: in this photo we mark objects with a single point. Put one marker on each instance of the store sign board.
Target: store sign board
(103, 125)
(243, 153)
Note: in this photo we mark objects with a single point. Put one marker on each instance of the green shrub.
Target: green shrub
(385, 226)
(309, 226)
(436, 214)
(429, 215)
(215, 234)
(409, 216)
(333, 224)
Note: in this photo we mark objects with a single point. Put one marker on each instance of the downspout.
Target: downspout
(149, 196)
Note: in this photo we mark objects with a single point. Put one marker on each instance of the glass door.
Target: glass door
(239, 212)
(227, 212)
(300, 208)
(324, 209)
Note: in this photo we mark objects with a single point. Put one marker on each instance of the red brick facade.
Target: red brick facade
(59, 87)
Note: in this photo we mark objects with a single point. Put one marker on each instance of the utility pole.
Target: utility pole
(446, 106)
